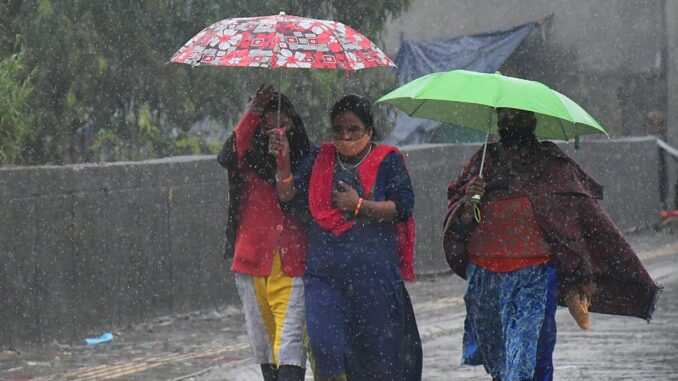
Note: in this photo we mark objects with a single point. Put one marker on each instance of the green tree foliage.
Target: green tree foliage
(15, 115)
(103, 90)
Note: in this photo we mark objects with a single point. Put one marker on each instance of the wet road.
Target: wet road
(615, 348)
(211, 346)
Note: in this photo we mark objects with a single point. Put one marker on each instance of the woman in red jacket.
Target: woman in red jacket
(268, 240)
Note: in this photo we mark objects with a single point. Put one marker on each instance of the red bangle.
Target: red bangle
(357, 207)
(286, 181)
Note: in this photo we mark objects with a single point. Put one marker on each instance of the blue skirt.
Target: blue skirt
(510, 325)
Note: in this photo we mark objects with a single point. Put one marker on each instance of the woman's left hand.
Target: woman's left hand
(345, 198)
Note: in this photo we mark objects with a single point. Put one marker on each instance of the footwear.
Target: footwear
(270, 372)
(579, 309)
(291, 373)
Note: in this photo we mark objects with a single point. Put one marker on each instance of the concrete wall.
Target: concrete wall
(96, 246)
(608, 55)
(90, 247)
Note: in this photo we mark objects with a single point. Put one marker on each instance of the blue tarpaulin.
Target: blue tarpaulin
(484, 52)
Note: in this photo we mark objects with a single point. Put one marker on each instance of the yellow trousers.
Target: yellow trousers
(274, 316)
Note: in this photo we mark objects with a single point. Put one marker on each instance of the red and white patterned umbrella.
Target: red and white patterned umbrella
(281, 41)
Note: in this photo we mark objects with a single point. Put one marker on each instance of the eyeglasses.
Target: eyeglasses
(354, 132)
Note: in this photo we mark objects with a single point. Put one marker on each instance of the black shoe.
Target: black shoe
(270, 372)
(291, 373)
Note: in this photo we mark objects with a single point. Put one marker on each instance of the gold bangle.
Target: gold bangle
(357, 207)
(285, 181)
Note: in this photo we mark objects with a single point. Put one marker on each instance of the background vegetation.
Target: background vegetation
(88, 80)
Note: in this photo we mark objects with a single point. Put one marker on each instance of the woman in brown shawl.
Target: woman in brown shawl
(543, 238)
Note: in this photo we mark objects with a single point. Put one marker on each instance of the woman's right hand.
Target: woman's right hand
(475, 187)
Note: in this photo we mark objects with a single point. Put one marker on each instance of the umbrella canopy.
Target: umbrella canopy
(469, 99)
(281, 41)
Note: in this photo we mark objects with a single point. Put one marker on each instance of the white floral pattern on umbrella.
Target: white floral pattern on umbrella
(287, 58)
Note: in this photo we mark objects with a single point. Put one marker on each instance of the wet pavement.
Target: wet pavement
(211, 345)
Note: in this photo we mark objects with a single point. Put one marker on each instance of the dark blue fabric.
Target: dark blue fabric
(362, 248)
(510, 326)
(359, 319)
(484, 52)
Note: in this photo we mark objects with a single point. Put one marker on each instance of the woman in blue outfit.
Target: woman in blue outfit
(360, 320)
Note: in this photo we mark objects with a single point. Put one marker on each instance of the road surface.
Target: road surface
(211, 345)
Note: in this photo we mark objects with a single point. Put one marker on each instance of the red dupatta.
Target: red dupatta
(332, 219)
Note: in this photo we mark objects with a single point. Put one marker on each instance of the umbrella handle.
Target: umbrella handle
(281, 157)
(279, 131)
(475, 201)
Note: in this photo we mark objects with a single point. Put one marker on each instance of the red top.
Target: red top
(262, 225)
(508, 237)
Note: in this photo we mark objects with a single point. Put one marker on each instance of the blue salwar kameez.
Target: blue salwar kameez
(359, 317)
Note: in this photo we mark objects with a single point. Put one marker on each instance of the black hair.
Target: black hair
(361, 107)
(259, 159)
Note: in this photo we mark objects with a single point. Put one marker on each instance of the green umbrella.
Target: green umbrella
(470, 98)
